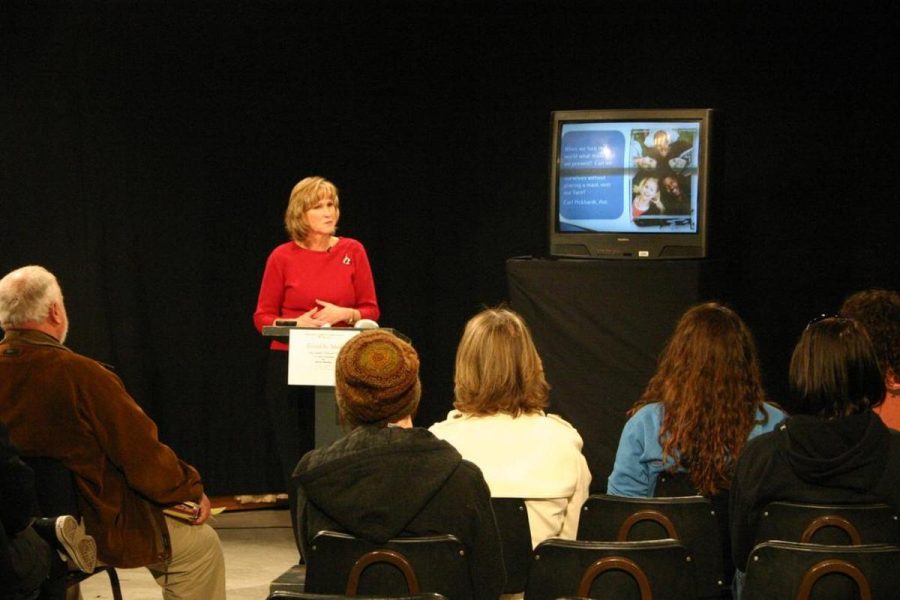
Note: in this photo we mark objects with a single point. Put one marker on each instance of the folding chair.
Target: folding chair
(621, 570)
(305, 596)
(339, 563)
(56, 495)
(692, 520)
(804, 571)
(852, 524)
(515, 535)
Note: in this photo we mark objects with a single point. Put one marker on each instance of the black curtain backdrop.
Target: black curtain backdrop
(148, 149)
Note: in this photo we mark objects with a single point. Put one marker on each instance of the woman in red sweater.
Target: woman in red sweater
(319, 280)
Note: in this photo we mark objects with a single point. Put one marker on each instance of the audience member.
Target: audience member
(388, 479)
(500, 425)
(34, 552)
(836, 451)
(699, 409)
(62, 405)
(878, 311)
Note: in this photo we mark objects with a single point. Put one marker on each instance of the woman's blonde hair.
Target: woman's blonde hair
(304, 196)
(709, 383)
(498, 369)
(639, 188)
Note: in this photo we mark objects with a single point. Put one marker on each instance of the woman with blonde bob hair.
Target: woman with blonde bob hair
(699, 409)
(500, 425)
(316, 279)
(498, 369)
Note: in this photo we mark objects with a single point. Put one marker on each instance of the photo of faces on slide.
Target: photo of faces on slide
(628, 177)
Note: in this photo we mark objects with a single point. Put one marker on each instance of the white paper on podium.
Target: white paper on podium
(312, 354)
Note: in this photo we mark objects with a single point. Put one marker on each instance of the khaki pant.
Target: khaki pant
(196, 570)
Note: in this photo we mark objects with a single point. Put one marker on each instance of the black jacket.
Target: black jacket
(853, 459)
(379, 483)
(24, 558)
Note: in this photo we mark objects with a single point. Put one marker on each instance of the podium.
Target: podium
(312, 352)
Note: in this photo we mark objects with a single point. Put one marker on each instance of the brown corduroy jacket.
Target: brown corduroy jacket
(59, 404)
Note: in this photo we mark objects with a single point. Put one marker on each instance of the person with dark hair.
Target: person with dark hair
(388, 479)
(500, 425)
(675, 197)
(836, 451)
(879, 312)
(64, 406)
(699, 409)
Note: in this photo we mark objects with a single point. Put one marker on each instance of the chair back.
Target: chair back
(515, 535)
(601, 570)
(692, 520)
(803, 571)
(307, 596)
(7, 574)
(339, 563)
(56, 494)
(54, 487)
(847, 524)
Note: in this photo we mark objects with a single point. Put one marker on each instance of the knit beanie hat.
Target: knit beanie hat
(377, 379)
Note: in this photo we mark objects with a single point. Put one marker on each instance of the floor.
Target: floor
(258, 547)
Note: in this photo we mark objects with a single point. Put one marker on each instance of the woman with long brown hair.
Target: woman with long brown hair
(699, 409)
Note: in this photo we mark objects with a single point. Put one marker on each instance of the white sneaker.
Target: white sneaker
(80, 547)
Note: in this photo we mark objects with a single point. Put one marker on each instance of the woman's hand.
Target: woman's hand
(307, 319)
(332, 313)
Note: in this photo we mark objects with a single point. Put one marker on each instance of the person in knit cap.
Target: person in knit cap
(377, 380)
(386, 478)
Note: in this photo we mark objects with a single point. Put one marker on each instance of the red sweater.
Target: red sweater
(296, 277)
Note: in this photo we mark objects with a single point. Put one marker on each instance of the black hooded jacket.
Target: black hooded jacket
(853, 459)
(378, 483)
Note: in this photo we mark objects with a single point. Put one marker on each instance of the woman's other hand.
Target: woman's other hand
(332, 313)
(307, 319)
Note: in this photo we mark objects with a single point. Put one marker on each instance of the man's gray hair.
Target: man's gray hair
(26, 295)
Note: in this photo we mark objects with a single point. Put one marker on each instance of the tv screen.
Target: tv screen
(630, 183)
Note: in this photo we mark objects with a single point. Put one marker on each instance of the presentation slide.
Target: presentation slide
(628, 177)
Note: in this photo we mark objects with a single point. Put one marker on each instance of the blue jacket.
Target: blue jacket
(639, 457)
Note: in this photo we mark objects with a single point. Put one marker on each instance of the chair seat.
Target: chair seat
(292, 580)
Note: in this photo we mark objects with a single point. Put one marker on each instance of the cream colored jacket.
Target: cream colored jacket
(535, 457)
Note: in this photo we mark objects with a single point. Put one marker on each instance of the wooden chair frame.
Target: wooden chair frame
(819, 570)
(618, 563)
(391, 557)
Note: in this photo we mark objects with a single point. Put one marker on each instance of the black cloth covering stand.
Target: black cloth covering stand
(599, 326)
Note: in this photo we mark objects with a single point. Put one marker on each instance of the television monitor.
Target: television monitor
(630, 183)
